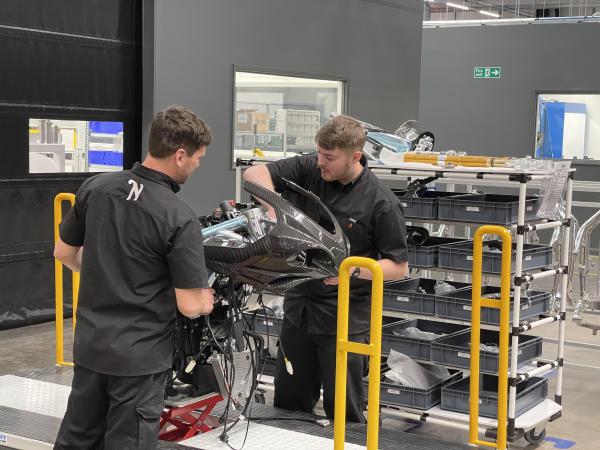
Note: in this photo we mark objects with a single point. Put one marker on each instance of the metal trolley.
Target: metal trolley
(510, 427)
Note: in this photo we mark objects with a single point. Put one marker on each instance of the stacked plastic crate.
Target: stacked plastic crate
(299, 126)
(421, 296)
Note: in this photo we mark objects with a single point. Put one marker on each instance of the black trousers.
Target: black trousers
(313, 360)
(107, 412)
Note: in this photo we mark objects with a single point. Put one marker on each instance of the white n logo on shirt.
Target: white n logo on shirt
(135, 190)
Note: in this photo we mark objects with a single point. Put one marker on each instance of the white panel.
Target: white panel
(574, 135)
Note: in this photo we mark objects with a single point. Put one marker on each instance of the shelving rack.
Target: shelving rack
(531, 424)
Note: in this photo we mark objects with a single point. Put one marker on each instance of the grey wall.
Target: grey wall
(375, 44)
(497, 117)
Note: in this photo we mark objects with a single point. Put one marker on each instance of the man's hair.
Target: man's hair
(341, 132)
(177, 127)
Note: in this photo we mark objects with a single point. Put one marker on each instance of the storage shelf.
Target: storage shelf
(470, 272)
(468, 224)
(530, 419)
(406, 315)
(548, 410)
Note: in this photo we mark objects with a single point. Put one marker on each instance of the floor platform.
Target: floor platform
(31, 411)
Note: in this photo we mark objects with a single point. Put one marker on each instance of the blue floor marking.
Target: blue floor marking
(560, 443)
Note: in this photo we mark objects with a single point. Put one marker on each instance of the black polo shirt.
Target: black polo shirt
(372, 219)
(139, 242)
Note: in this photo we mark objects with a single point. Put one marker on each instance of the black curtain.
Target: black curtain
(60, 59)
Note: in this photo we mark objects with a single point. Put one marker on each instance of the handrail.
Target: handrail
(504, 305)
(58, 283)
(373, 350)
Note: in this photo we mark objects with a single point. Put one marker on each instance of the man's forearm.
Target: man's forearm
(74, 262)
(391, 270)
(261, 176)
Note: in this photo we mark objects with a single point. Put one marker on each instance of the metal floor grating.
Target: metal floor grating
(33, 409)
(56, 375)
(38, 427)
(43, 429)
(262, 437)
(355, 433)
(34, 396)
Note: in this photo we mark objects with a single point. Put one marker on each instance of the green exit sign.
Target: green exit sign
(486, 72)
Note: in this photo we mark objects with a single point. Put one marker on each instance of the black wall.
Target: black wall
(60, 59)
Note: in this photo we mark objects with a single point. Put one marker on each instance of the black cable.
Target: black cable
(253, 328)
(249, 400)
(235, 312)
(230, 376)
(254, 351)
(285, 358)
(252, 371)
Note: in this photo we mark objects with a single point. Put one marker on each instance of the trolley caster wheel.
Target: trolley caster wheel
(533, 438)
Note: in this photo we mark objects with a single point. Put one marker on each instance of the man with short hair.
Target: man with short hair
(140, 253)
(372, 219)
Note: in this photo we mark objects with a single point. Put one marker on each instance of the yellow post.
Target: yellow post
(58, 283)
(373, 350)
(504, 305)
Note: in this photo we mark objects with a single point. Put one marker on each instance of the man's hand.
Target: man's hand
(194, 303)
(331, 281)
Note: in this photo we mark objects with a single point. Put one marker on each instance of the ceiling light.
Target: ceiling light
(454, 5)
(490, 13)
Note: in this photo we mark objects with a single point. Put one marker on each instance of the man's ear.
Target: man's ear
(179, 156)
(356, 156)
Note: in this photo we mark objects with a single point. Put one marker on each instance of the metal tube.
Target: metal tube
(539, 323)
(581, 260)
(254, 227)
(541, 226)
(547, 225)
(373, 350)
(75, 289)
(516, 306)
(563, 299)
(504, 305)
(475, 336)
(504, 327)
(543, 274)
(58, 282)
(230, 224)
(375, 359)
(238, 183)
(541, 370)
(341, 361)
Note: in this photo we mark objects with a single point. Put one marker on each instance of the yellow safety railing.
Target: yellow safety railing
(58, 283)
(504, 305)
(373, 350)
